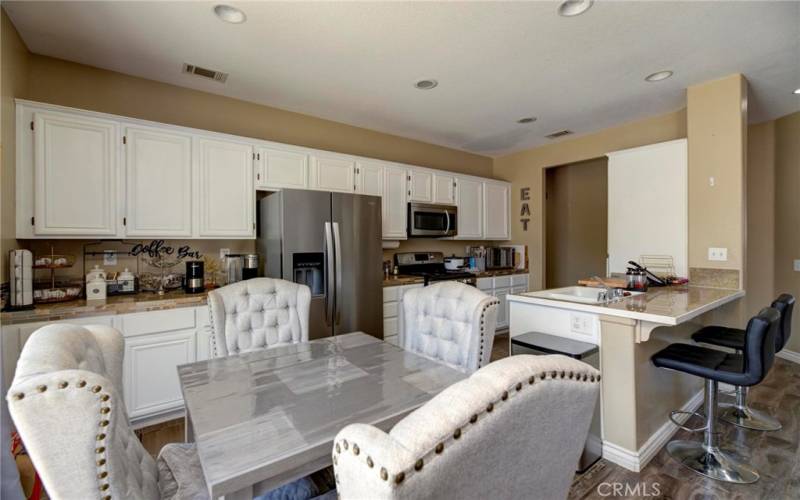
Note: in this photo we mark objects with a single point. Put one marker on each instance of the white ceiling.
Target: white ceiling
(495, 62)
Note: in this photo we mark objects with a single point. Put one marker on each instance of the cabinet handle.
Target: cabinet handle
(258, 177)
(124, 221)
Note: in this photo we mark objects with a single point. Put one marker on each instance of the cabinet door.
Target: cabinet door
(444, 189)
(75, 175)
(226, 197)
(282, 169)
(394, 203)
(159, 183)
(369, 178)
(150, 375)
(420, 186)
(502, 309)
(496, 211)
(470, 209)
(333, 174)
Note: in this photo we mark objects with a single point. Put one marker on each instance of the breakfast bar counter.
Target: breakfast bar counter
(636, 397)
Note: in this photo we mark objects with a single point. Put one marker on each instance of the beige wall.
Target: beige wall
(717, 130)
(13, 83)
(760, 261)
(787, 212)
(526, 169)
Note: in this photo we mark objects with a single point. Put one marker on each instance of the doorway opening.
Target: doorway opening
(576, 222)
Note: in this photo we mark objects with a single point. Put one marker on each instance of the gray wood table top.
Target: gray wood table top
(265, 416)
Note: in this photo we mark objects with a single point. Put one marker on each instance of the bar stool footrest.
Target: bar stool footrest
(673, 416)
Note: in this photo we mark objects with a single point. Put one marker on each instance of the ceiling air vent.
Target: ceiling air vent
(560, 133)
(205, 72)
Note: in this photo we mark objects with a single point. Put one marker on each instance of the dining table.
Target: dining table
(264, 418)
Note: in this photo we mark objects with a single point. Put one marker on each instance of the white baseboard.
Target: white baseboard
(788, 355)
(637, 460)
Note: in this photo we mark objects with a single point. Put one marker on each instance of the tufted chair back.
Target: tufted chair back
(66, 402)
(450, 322)
(514, 429)
(256, 314)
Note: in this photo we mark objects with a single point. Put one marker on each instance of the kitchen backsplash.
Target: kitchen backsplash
(208, 248)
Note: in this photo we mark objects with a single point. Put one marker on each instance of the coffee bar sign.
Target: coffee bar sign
(525, 209)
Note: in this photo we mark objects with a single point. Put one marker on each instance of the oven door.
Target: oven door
(432, 220)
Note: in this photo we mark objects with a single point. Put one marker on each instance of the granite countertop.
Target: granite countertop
(118, 304)
(403, 279)
(671, 305)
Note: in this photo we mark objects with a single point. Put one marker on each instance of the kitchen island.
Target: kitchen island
(636, 397)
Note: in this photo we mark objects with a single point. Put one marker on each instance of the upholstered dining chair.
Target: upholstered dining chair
(513, 429)
(451, 323)
(257, 314)
(66, 402)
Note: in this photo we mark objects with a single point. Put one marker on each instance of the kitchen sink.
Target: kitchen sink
(584, 294)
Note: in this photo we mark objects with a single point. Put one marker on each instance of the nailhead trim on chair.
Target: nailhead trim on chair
(213, 332)
(456, 435)
(100, 449)
(483, 329)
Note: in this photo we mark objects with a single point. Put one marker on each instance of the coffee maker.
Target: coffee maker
(195, 281)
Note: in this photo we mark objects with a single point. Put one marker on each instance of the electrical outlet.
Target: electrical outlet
(797, 264)
(109, 258)
(223, 252)
(580, 323)
(718, 254)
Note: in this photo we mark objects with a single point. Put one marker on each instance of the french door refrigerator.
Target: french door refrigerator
(332, 243)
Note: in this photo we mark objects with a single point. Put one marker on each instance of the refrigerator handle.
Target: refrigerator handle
(328, 274)
(338, 253)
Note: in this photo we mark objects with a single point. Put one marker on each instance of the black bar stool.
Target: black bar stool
(749, 368)
(739, 413)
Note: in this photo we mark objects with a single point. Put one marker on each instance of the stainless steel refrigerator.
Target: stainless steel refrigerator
(332, 243)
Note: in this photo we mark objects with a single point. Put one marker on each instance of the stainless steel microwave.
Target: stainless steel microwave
(432, 221)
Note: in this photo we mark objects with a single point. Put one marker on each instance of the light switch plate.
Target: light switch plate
(718, 254)
(580, 323)
(797, 264)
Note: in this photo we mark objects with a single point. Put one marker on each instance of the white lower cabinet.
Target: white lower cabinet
(502, 309)
(501, 287)
(156, 343)
(392, 312)
(150, 375)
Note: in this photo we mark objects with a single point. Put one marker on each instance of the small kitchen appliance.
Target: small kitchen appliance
(454, 263)
(500, 258)
(431, 266)
(250, 266)
(195, 280)
(21, 279)
(96, 284)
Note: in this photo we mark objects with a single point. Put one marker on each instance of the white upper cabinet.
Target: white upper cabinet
(470, 208)
(75, 175)
(331, 173)
(496, 207)
(394, 203)
(158, 183)
(226, 196)
(369, 178)
(281, 169)
(420, 186)
(444, 189)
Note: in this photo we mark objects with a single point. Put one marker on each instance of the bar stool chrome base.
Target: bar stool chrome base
(750, 418)
(711, 462)
(705, 457)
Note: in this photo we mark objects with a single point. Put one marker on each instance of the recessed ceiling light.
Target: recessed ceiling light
(426, 84)
(658, 76)
(527, 119)
(230, 14)
(796, 91)
(571, 8)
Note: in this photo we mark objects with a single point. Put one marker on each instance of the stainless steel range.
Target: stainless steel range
(430, 265)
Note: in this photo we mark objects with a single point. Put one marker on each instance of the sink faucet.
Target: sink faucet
(609, 293)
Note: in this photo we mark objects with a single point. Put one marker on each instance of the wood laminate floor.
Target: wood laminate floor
(776, 455)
